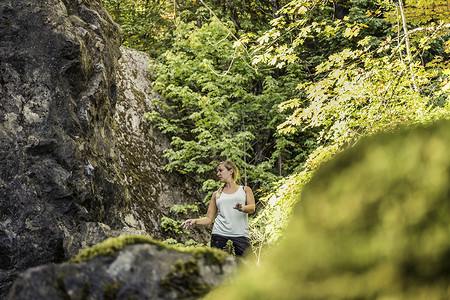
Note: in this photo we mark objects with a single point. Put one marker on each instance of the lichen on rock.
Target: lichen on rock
(57, 89)
(141, 150)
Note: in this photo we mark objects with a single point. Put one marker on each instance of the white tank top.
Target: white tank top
(230, 221)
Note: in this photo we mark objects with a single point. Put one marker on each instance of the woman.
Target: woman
(229, 207)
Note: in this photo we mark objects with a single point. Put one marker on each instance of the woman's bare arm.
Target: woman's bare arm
(206, 220)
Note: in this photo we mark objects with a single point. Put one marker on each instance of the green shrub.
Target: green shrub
(373, 223)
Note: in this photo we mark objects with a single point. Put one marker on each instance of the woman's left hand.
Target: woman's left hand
(239, 207)
(186, 224)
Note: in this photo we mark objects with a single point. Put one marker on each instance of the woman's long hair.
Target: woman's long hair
(229, 165)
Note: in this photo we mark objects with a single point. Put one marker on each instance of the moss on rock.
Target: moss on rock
(128, 267)
(111, 290)
(185, 280)
(110, 246)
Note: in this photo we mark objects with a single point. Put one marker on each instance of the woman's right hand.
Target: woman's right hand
(186, 224)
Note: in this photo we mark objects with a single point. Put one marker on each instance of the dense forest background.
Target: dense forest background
(279, 86)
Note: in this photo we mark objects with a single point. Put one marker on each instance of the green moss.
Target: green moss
(85, 291)
(110, 246)
(110, 291)
(61, 288)
(184, 280)
(212, 256)
(229, 248)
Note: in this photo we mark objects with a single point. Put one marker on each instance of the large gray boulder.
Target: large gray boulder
(70, 176)
(57, 93)
(131, 267)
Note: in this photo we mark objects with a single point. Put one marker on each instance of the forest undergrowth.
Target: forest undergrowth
(280, 87)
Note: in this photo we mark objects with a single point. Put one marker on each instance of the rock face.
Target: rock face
(141, 150)
(67, 179)
(140, 269)
(57, 88)
(373, 223)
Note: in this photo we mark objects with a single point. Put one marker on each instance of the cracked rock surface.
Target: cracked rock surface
(67, 177)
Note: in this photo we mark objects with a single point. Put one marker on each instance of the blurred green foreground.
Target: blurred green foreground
(373, 223)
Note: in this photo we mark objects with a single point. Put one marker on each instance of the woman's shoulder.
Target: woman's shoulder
(246, 188)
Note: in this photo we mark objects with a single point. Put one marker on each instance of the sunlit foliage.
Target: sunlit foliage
(373, 81)
(216, 106)
(373, 224)
(280, 87)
